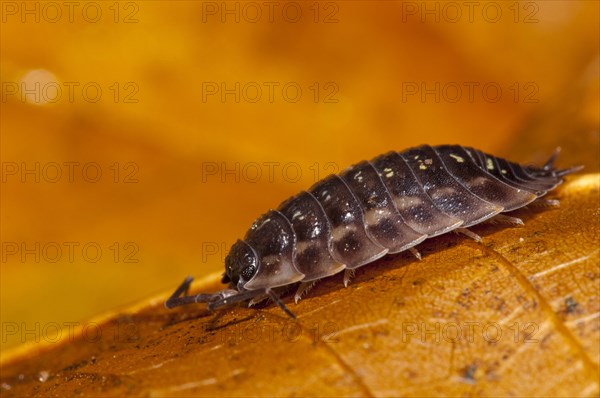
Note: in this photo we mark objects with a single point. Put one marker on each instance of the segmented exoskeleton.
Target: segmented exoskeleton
(373, 208)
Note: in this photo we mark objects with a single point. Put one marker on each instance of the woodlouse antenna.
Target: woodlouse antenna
(177, 300)
(219, 299)
(247, 295)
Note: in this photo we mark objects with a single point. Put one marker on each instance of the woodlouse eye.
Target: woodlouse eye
(248, 272)
(240, 264)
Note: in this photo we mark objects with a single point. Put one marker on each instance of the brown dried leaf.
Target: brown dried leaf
(515, 315)
(171, 133)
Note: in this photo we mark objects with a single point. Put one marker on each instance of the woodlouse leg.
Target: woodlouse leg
(303, 288)
(265, 297)
(348, 274)
(468, 233)
(545, 203)
(258, 299)
(507, 220)
(415, 253)
(278, 301)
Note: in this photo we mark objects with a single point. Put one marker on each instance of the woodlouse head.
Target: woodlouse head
(240, 265)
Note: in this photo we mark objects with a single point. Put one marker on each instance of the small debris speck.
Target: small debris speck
(571, 305)
(469, 372)
(43, 376)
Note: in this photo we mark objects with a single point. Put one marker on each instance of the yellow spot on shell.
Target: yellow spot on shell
(459, 159)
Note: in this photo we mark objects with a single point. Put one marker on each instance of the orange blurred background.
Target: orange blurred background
(139, 140)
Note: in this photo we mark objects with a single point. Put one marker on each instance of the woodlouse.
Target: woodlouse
(386, 205)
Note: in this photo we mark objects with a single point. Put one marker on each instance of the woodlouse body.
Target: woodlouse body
(386, 205)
